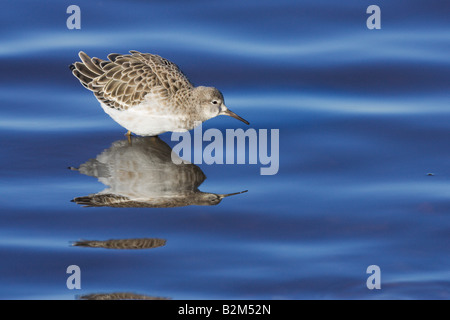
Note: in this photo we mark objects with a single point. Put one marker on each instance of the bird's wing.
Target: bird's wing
(124, 80)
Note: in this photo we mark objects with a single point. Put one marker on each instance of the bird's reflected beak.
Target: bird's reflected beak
(230, 194)
(227, 112)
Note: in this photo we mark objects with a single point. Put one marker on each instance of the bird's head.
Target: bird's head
(212, 104)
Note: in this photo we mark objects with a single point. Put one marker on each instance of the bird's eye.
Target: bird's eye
(214, 102)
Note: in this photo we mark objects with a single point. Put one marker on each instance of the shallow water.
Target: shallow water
(363, 176)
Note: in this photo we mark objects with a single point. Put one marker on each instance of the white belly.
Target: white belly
(147, 120)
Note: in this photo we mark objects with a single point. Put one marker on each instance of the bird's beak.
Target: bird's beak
(227, 112)
(230, 194)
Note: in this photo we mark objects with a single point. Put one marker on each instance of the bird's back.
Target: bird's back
(124, 80)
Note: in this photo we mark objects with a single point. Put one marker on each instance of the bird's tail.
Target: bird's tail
(87, 70)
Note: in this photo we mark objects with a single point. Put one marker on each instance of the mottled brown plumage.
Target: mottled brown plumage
(124, 80)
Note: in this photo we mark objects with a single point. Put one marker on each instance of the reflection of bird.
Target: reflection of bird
(142, 174)
(147, 94)
(118, 296)
(140, 243)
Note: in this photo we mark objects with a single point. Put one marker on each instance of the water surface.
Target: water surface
(363, 179)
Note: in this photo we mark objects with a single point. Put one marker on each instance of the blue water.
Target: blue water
(364, 176)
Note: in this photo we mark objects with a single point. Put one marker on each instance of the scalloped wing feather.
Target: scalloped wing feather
(124, 80)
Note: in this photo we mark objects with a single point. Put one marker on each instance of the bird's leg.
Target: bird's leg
(153, 139)
(128, 134)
